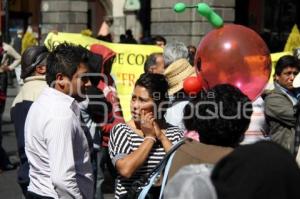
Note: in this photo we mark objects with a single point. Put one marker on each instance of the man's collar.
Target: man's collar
(73, 104)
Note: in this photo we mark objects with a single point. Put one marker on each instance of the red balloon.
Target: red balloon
(192, 85)
(235, 55)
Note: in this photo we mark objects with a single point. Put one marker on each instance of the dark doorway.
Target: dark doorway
(272, 19)
(145, 17)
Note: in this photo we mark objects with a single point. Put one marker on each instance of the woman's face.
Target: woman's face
(140, 100)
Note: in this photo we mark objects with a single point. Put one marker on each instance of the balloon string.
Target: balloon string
(193, 6)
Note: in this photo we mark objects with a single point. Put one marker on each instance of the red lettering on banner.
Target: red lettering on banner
(131, 78)
(127, 79)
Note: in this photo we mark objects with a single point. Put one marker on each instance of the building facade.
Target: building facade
(273, 19)
(188, 26)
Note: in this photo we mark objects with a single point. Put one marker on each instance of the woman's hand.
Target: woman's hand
(158, 133)
(167, 144)
(147, 121)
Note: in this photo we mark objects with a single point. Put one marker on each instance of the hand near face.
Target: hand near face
(147, 121)
(157, 130)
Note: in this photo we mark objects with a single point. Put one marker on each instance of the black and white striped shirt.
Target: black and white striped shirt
(123, 141)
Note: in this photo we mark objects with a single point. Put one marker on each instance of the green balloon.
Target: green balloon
(213, 18)
(204, 10)
(179, 7)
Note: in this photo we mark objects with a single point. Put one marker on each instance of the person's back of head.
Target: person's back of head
(175, 51)
(95, 65)
(220, 115)
(122, 38)
(257, 171)
(128, 33)
(65, 60)
(32, 58)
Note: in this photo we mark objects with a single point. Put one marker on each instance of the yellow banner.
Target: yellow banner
(127, 66)
(293, 40)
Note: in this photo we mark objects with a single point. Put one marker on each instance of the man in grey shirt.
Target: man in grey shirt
(55, 143)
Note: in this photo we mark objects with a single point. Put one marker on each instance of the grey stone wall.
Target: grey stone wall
(118, 28)
(188, 27)
(63, 15)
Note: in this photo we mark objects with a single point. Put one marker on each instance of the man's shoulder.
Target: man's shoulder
(47, 103)
(277, 99)
(194, 152)
(199, 150)
(275, 95)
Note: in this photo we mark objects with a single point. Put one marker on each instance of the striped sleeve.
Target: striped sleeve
(119, 142)
(174, 134)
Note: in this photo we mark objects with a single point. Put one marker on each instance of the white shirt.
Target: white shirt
(174, 114)
(57, 149)
(258, 125)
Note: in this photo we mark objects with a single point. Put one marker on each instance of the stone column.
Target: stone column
(63, 15)
(119, 24)
(187, 27)
(124, 20)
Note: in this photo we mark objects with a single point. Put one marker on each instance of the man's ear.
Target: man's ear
(40, 70)
(60, 80)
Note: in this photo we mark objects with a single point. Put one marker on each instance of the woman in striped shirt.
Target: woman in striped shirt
(138, 146)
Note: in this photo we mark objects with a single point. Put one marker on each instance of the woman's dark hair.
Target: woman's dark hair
(220, 115)
(157, 86)
(31, 58)
(284, 62)
(65, 59)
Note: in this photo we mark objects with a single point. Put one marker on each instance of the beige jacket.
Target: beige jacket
(194, 152)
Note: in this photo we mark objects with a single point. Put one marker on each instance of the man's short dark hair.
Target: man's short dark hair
(151, 61)
(284, 62)
(65, 59)
(221, 115)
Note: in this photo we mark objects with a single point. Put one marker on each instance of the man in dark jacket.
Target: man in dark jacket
(33, 73)
(280, 103)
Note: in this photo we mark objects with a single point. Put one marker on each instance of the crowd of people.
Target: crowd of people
(70, 128)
